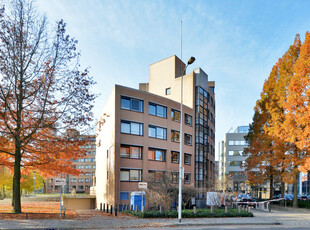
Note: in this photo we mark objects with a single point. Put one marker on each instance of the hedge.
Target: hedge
(190, 213)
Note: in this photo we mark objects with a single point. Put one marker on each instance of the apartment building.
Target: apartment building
(139, 130)
(81, 183)
(231, 161)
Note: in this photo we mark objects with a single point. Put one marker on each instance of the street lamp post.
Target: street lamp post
(181, 173)
(34, 182)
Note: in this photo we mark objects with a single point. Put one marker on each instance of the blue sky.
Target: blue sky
(235, 42)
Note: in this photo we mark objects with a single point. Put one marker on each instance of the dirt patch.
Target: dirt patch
(35, 210)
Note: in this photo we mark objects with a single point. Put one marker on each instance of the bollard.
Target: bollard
(137, 208)
(249, 209)
(269, 206)
(160, 209)
(101, 207)
(226, 209)
(64, 215)
(239, 209)
(285, 205)
(142, 208)
(131, 207)
(107, 208)
(26, 215)
(212, 209)
(195, 210)
(111, 209)
(115, 211)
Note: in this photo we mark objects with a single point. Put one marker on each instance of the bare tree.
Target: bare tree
(161, 189)
(42, 90)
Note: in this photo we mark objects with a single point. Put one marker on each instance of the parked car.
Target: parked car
(244, 198)
(289, 196)
(302, 197)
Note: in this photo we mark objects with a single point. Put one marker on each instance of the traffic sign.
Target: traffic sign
(142, 185)
(60, 181)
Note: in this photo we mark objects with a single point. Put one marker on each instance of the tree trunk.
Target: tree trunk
(271, 188)
(295, 201)
(16, 181)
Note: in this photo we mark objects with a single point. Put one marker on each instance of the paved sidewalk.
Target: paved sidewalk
(127, 222)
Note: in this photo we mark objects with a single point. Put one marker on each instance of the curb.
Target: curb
(217, 224)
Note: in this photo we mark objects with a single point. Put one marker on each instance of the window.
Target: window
(134, 152)
(81, 187)
(87, 180)
(175, 115)
(157, 154)
(132, 104)
(124, 196)
(130, 127)
(157, 175)
(94, 166)
(238, 143)
(88, 174)
(175, 177)
(187, 178)
(87, 166)
(130, 174)
(174, 157)
(80, 166)
(175, 136)
(168, 91)
(87, 159)
(73, 187)
(187, 159)
(81, 180)
(157, 110)
(236, 163)
(73, 180)
(235, 153)
(188, 119)
(187, 139)
(74, 166)
(157, 132)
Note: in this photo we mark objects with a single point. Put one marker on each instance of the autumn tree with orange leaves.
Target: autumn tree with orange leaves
(288, 127)
(42, 94)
